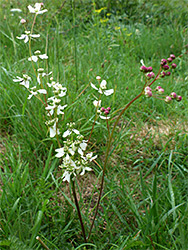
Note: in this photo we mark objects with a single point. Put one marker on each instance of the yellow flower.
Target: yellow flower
(99, 11)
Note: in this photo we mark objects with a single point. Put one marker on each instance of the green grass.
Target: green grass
(144, 203)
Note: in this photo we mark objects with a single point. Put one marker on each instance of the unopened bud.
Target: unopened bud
(174, 65)
(163, 62)
(168, 99)
(22, 21)
(178, 98)
(172, 56)
(173, 95)
(165, 67)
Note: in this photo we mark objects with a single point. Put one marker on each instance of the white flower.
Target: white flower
(85, 169)
(37, 56)
(102, 88)
(37, 9)
(97, 104)
(66, 176)
(32, 92)
(23, 81)
(104, 117)
(60, 152)
(69, 132)
(27, 35)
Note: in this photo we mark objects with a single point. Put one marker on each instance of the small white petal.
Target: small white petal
(42, 91)
(35, 35)
(104, 117)
(80, 151)
(108, 92)
(33, 58)
(66, 133)
(44, 56)
(97, 103)
(76, 131)
(60, 152)
(93, 86)
(83, 145)
(103, 84)
(26, 39)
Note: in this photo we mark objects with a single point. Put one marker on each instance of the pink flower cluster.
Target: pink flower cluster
(166, 64)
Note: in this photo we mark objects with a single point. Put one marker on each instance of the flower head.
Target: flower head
(27, 35)
(37, 9)
(23, 80)
(102, 87)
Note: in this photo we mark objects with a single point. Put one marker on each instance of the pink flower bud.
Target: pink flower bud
(22, 21)
(178, 98)
(173, 95)
(106, 112)
(165, 67)
(150, 75)
(174, 65)
(148, 93)
(149, 69)
(172, 56)
(168, 99)
(143, 69)
(102, 109)
(161, 91)
(147, 88)
(108, 108)
(163, 74)
(169, 59)
(168, 73)
(157, 88)
(163, 62)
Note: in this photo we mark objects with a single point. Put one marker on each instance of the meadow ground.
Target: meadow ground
(144, 203)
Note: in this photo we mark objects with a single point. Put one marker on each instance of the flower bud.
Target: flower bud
(150, 75)
(109, 109)
(168, 73)
(173, 95)
(163, 74)
(172, 56)
(157, 88)
(149, 69)
(161, 91)
(163, 62)
(178, 98)
(165, 67)
(102, 109)
(106, 112)
(148, 93)
(98, 78)
(22, 21)
(168, 99)
(143, 69)
(174, 65)
(169, 59)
